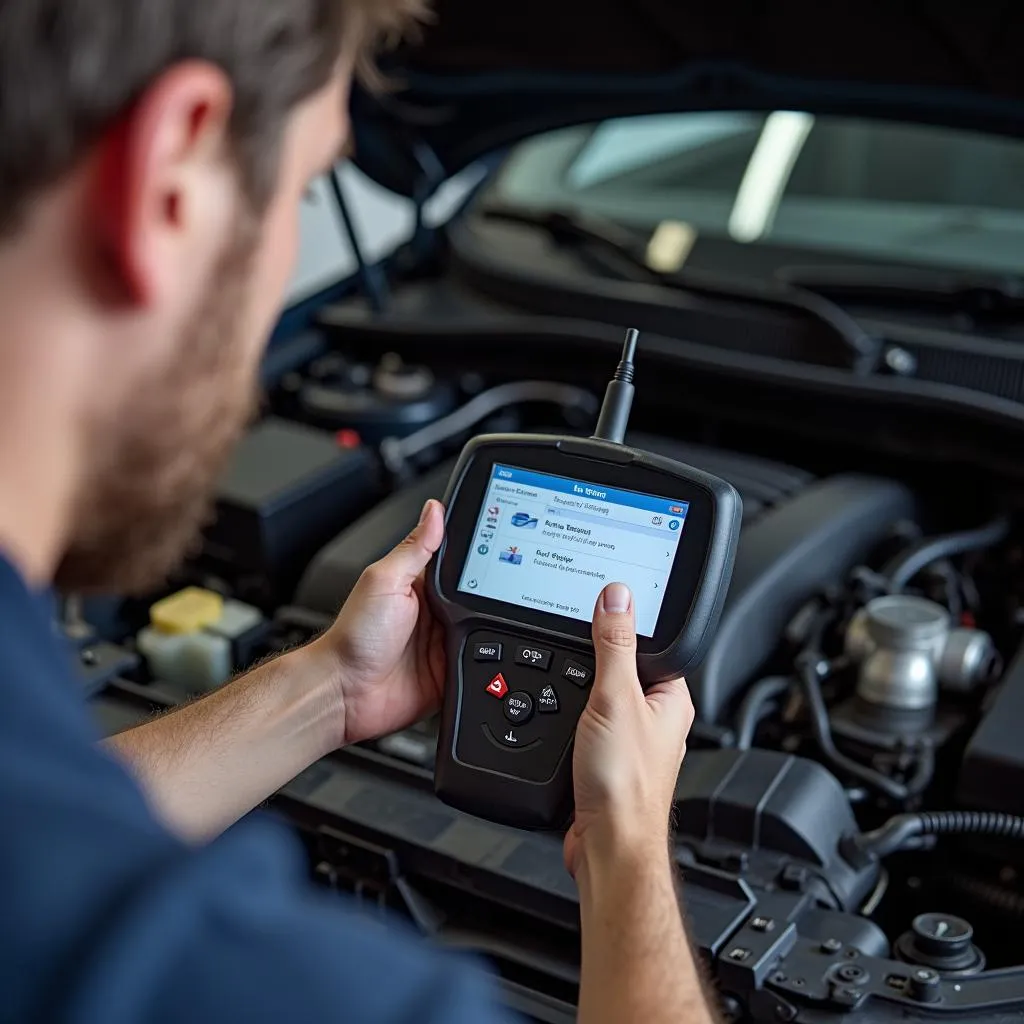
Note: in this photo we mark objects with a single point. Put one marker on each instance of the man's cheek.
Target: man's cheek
(275, 267)
(285, 251)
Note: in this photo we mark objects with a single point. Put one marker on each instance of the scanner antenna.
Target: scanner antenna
(618, 399)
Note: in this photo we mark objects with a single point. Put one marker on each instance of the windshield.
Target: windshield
(786, 186)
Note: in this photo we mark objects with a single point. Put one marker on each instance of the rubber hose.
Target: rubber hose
(904, 567)
(993, 895)
(978, 823)
(397, 451)
(755, 706)
(901, 830)
(897, 791)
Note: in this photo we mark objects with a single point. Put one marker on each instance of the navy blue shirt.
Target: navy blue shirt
(106, 918)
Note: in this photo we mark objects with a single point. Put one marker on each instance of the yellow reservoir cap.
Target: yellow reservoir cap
(188, 611)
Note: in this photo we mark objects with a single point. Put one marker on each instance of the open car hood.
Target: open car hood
(487, 74)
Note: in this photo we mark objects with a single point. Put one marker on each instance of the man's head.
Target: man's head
(155, 153)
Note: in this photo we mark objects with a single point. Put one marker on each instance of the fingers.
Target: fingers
(673, 705)
(400, 567)
(614, 633)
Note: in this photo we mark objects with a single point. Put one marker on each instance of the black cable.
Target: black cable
(618, 398)
(951, 584)
(396, 452)
(870, 905)
(808, 673)
(904, 567)
(755, 706)
(995, 896)
(903, 830)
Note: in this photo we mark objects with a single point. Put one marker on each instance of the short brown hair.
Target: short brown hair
(70, 68)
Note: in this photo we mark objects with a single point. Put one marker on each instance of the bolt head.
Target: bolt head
(900, 361)
(851, 972)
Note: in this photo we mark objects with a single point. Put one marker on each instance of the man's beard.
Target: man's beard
(150, 491)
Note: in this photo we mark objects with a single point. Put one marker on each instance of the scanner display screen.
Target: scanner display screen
(553, 543)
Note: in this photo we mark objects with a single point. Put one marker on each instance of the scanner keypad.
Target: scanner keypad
(521, 703)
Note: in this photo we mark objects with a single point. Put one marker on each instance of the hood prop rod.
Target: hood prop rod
(371, 275)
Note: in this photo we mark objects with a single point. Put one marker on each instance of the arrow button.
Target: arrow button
(497, 687)
(547, 702)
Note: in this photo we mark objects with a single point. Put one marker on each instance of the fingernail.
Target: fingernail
(423, 514)
(617, 598)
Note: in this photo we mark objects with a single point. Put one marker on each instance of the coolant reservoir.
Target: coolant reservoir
(189, 641)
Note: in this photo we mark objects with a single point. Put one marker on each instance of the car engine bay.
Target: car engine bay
(844, 815)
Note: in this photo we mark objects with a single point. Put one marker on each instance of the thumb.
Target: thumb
(401, 566)
(614, 633)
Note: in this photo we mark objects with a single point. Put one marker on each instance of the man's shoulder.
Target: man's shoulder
(108, 916)
(39, 695)
(28, 626)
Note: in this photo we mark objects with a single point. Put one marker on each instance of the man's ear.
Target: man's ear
(154, 165)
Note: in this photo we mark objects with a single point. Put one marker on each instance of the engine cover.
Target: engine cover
(790, 553)
(776, 817)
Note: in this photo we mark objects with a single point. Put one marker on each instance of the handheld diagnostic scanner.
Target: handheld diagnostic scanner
(536, 527)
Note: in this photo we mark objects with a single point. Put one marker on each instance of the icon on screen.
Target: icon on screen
(494, 511)
(524, 521)
(657, 521)
(677, 510)
(472, 584)
(511, 555)
(487, 535)
(483, 549)
(674, 525)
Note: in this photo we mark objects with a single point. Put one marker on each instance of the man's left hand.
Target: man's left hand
(386, 644)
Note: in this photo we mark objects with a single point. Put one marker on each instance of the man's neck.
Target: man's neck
(46, 377)
(40, 455)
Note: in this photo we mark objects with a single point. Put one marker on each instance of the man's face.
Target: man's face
(158, 455)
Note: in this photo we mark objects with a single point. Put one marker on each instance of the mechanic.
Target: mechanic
(155, 153)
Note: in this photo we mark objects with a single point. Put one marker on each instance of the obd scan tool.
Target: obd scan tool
(537, 526)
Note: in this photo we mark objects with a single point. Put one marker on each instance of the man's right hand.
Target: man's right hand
(636, 961)
(629, 746)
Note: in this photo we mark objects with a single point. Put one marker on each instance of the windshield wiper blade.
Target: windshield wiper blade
(862, 349)
(981, 296)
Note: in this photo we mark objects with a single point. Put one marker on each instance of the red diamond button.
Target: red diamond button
(497, 687)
